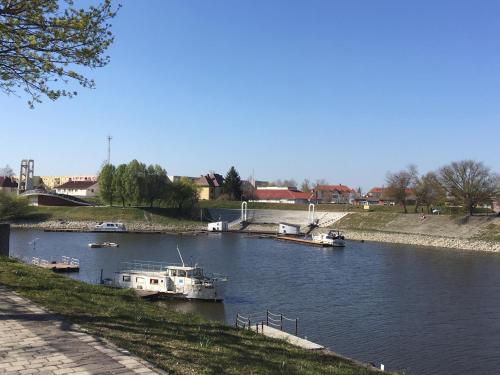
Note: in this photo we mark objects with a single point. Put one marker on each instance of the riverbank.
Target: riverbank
(176, 342)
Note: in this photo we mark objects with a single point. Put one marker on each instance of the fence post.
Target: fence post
(281, 322)
(296, 325)
(267, 317)
(236, 323)
(249, 325)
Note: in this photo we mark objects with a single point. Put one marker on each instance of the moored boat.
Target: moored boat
(180, 281)
(332, 238)
(110, 227)
(103, 244)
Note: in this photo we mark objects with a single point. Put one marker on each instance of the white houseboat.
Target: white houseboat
(181, 281)
(332, 238)
(110, 227)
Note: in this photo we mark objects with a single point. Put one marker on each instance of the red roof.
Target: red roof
(275, 194)
(377, 190)
(339, 188)
(77, 185)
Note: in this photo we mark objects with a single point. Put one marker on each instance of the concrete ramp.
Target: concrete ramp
(282, 335)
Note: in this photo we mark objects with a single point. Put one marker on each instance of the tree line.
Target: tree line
(137, 184)
(467, 183)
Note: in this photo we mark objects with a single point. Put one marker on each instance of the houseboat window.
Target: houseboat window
(153, 281)
(126, 279)
(195, 273)
(173, 272)
(181, 273)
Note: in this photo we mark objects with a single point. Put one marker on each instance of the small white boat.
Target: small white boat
(110, 227)
(332, 238)
(180, 281)
(103, 244)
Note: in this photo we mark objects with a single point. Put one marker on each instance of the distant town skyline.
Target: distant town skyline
(321, 90)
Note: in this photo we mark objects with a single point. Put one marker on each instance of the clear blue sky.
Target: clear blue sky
(340, 90)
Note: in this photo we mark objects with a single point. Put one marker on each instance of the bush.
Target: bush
(13, 207)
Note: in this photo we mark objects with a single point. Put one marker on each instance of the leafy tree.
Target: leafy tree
(6, 171)
(13, 207)
(182, 195)
(105, 180)
(119, 189)
(134, 182)
(399, 185)
(232, 184)
(155, 183)
(42, 41)
(469, 182)
(428, 191)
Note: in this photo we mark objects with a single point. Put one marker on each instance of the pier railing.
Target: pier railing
(268, 318)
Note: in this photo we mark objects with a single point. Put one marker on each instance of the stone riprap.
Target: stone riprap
(90, 226)
(32, 341)
(423, 240)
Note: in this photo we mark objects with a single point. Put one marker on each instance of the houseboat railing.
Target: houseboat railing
(267, 318)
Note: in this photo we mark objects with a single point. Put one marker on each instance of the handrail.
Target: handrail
(270, 320)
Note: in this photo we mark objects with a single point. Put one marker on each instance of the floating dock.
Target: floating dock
(303, 241)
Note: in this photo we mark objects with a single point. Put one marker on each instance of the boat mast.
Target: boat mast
(182, 260)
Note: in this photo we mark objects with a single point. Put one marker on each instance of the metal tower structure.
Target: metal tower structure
(109, 148)
(26, 175)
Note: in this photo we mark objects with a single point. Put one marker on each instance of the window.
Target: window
(126, 279)
(181, 273)
(153, 281)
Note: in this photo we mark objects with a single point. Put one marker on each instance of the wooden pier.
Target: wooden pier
(60, 267)
(303, 241)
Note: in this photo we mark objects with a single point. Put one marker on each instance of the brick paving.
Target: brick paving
(32, 341)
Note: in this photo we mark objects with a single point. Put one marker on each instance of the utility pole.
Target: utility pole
(109, 148)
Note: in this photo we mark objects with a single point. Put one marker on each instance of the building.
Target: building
(51, 182)
(209, 186)
(79, 188)
(495, 205)
(8, 185)
(278, 194)
(334, 194)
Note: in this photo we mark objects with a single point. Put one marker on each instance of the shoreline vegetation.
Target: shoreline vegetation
(447, 231)
(179, 343)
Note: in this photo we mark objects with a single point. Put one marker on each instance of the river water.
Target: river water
(426, 311)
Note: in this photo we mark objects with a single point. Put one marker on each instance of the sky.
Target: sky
(338, 90)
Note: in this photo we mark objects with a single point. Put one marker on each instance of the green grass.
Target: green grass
(106, 213)
(176, 342)
(491, 232)
(366, 220)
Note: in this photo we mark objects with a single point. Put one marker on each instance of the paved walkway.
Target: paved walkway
(34, 342)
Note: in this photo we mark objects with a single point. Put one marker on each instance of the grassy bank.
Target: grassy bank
(178, 343)
(105, 213)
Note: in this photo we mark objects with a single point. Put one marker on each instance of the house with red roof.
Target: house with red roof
(82, 188)
(8, 185)
(276, 194)
(334, 194)
(209, 186)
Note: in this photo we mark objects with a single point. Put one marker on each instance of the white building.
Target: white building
(79, 188)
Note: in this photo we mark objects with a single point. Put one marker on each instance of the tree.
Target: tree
(306, 186)
(469, 182)
(13, 207)
(119, 190)
(182, 195)
(155, 183)
(133, 182)
(42, 41)
(400, 184)
(6, 171)
(105, 180)
(428, 191)
(232, 184)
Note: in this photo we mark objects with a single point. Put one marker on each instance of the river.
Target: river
(426, 311)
